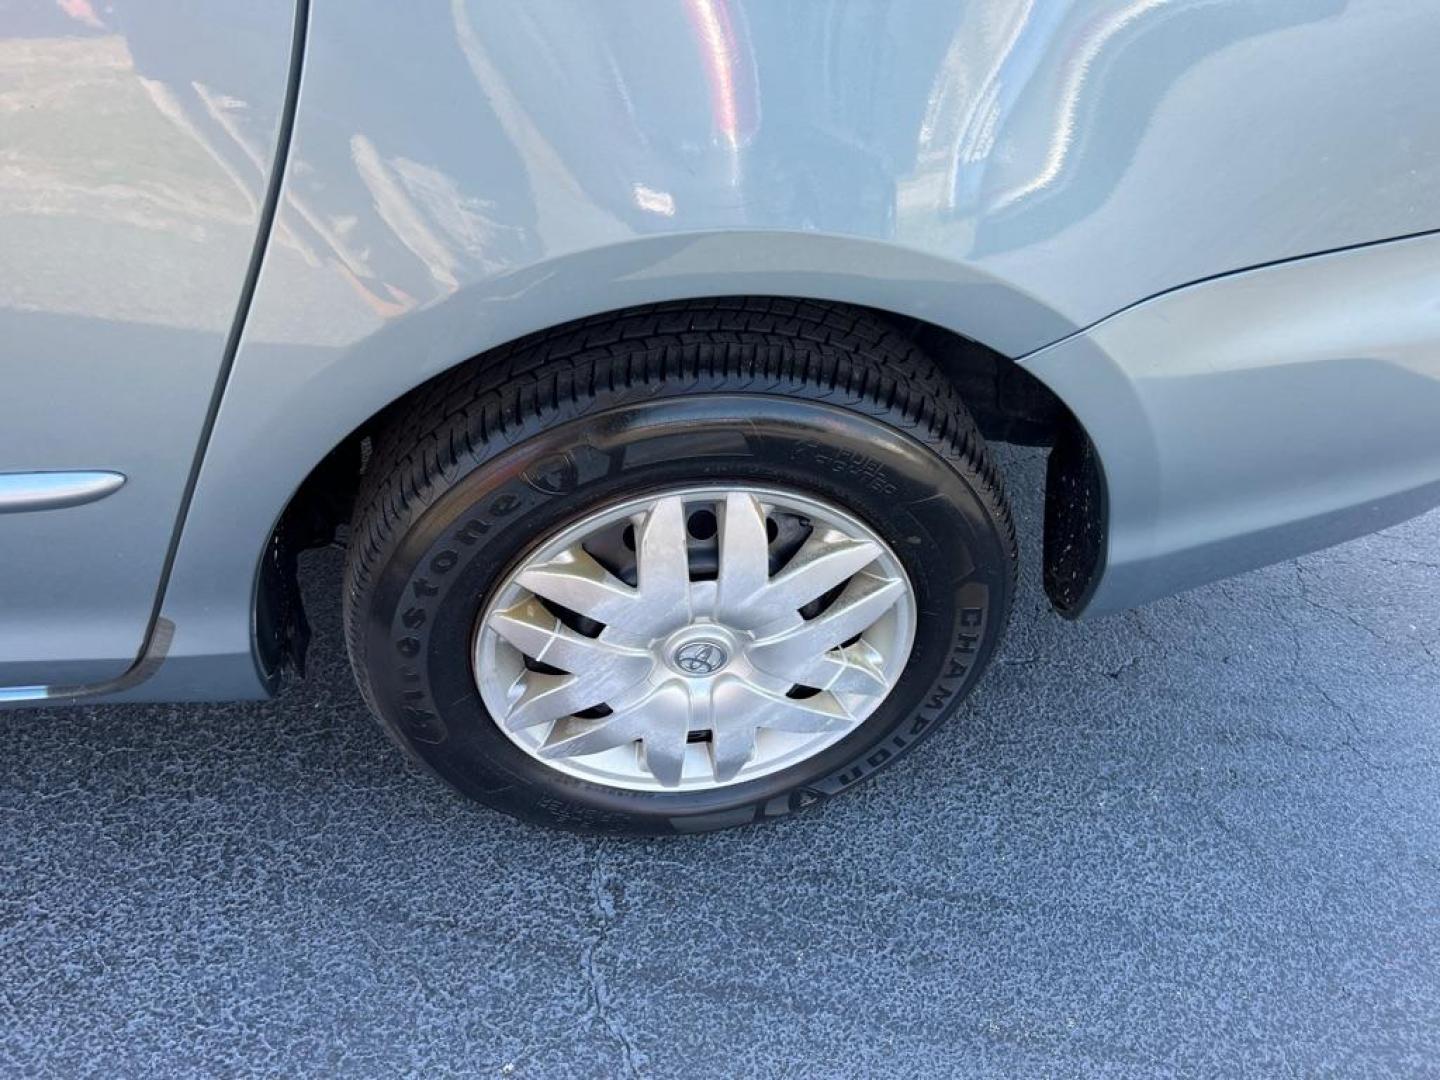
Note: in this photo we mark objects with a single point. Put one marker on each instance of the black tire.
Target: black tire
(485, 461)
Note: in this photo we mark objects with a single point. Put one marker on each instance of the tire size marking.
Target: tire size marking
(861, 468)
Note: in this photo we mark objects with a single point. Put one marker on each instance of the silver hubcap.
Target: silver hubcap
(694, 639)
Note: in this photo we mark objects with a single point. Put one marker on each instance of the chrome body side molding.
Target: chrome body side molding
(26, 491)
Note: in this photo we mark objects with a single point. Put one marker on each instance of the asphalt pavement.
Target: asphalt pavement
(1198, 839)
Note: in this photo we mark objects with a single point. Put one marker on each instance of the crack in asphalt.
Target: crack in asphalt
(601, 1007)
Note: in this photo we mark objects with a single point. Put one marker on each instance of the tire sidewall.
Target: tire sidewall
(421, 615)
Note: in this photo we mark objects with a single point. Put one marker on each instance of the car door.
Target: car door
(137, 140)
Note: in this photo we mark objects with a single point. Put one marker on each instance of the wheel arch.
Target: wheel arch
(303, 389)
(1007, 401)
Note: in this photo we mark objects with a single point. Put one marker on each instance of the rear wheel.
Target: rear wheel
(678, 569)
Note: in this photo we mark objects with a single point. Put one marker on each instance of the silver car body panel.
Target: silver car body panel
(135, 150)
(1260, 416)
(462, 174)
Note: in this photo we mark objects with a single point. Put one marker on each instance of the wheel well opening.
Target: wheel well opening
(1008, 403)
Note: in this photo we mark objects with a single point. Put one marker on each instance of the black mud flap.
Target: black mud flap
(282, 632)
(1075, 521)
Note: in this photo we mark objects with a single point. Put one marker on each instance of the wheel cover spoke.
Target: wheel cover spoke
(850, 669)
(544, 698)
(688, 680)
(531, 628)
(825, 562)
(864, 600)
(744, 572)
(576, 581)
(663, 561)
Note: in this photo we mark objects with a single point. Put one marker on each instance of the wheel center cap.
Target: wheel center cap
(700, 657)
